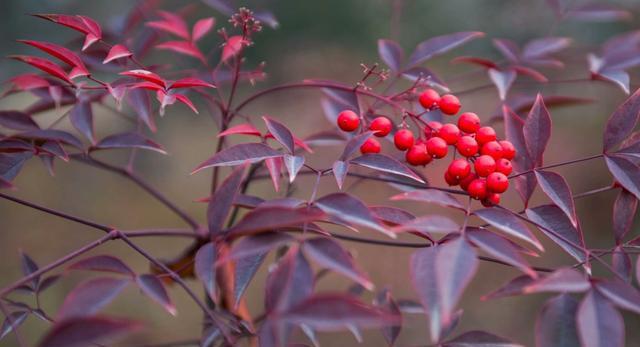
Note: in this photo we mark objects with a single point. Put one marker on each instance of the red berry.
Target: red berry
(417, 155)
(485, 134)
(449, 104)
(508, 150)
(492, 199)
(432, 129)
(497, 182)
(503, 165)
(450, 179)
(370, 146)
(348, 120)
(478, 188)
(459, 168)
(493, 149)
(381, 126)
(484, 165)
(403, 139)
(469, 122)
(467, 146)
(429, 98)
(464, 183)
(449, 133)
(437, 147)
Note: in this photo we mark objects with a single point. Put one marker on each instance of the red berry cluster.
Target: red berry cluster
(485, 162)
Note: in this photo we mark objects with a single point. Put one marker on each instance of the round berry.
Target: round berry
(478, 189)
(450, 179)
(508, 150)
(403, 139)
(484, 165)
(469, 122)
(497, 182)
(503, 165)
(467, 146)
(464, 183)
(381, 126)
(432, 129)
(348, 120)
(485, 134)
(449, 104)
(370, 146)
(492, 199)
(459, 168)
(417, 155)
(437, 147)
(429, 98)
(492, 149)
(449, 133)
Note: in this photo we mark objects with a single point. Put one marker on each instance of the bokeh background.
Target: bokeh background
(316, 39)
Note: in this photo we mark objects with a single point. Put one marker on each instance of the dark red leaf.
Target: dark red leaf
(105, 263)
(508, 223)
(117, 52)
(431, 196)
(205, 268)
(202, 27)
(429, 224)
(258, 244)
(622, 122)
(290, 283)
(599, 323)
(385, 163)
(477, 338)
(129, 140)
(552, 218)
(625, 172)
(244, 129)
(340, 169)
(280, 132)
(190, 82)
(564, 280)
(153, 288)
(352, 211)
(270, 218)
(387, 303)
(17, 120)
(232, 47)
(182, 47)
(44, 65)
(542, 47)
(514, 287)
(391, 54)
(11, 164)
(620, 293)
(441, 44)
(140, 102)
(73, 22)
(172, 24)
(52, 135)
(222, 200)
(330, 254)
(60, 52)
(621, 263)
(502, 79)
(146, 75)
(28, 82)
(456, 264)
(86, 331)
(91, 296)
(293, 164)
(245, 269)
(557, 189)
(537, 130)
(508, 49)
(525, 184)
(624, 211)
(354, 144)
(239, 154)
(556, 323)
(14, 320)
(274, 166)
(499, 248)
(391, 215)
(81, 117)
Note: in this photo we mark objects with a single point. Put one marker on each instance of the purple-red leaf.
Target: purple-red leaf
(340, 169)
(507, 222)
(81, 117)
(257, 245)
(222, 200)
(53, 135)
(240, 154)
(202, 27)
(621, 263)
(103, 263)
(552, 218)
(556, 323)
(391, 215)
(139, 100)
(44, 65)
(280, 132)
(625, 172)
(86, 331)
(441, 44)
(117, 52)
(330, 254)
(387, 303)
(599, 323)
(293, 164)
(205, 269)
(17, 120)
(183, 47)
(171, 23)
(502, 79)
(391, 54)
(537, 130)
(385, 163)
(624, 211)
(270, 218)
(60, 52)
(153, 288)
(14, 320)
(146, 75)
(542, 47)
(190, 82)
(431, 196)
(243, 129)
(429, 224)
(456, 264)
(620, 293)
(91, 296)
(245, 269)
(352, 211)
(561, 280)
(290, 282)
(557, 189)
(129, 140)
(597, 12)
(354, 144)
(424, 280)
(500, 248)
(622, 122)
(478, 338)
(514, 287)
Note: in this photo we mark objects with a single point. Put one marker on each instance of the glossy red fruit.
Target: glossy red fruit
(449, 133)
(348, 120)
(464, 183)
(437, 147)
(492, 199)
(469, 122)
(370, 146)
(417, 155)
(429, 98)
(449, 104)
(485, 134)
(467, 146)
(432, 129)
(381, 126)
(459, 168)
(403, 139)
(503, 165)
(508, 150)
(497, 182)
(478, 189)
(484, 165)
(492, 149)
(450, 179)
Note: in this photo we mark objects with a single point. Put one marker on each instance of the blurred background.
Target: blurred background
(315, 39)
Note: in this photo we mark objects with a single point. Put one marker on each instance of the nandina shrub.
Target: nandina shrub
(392, 126)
